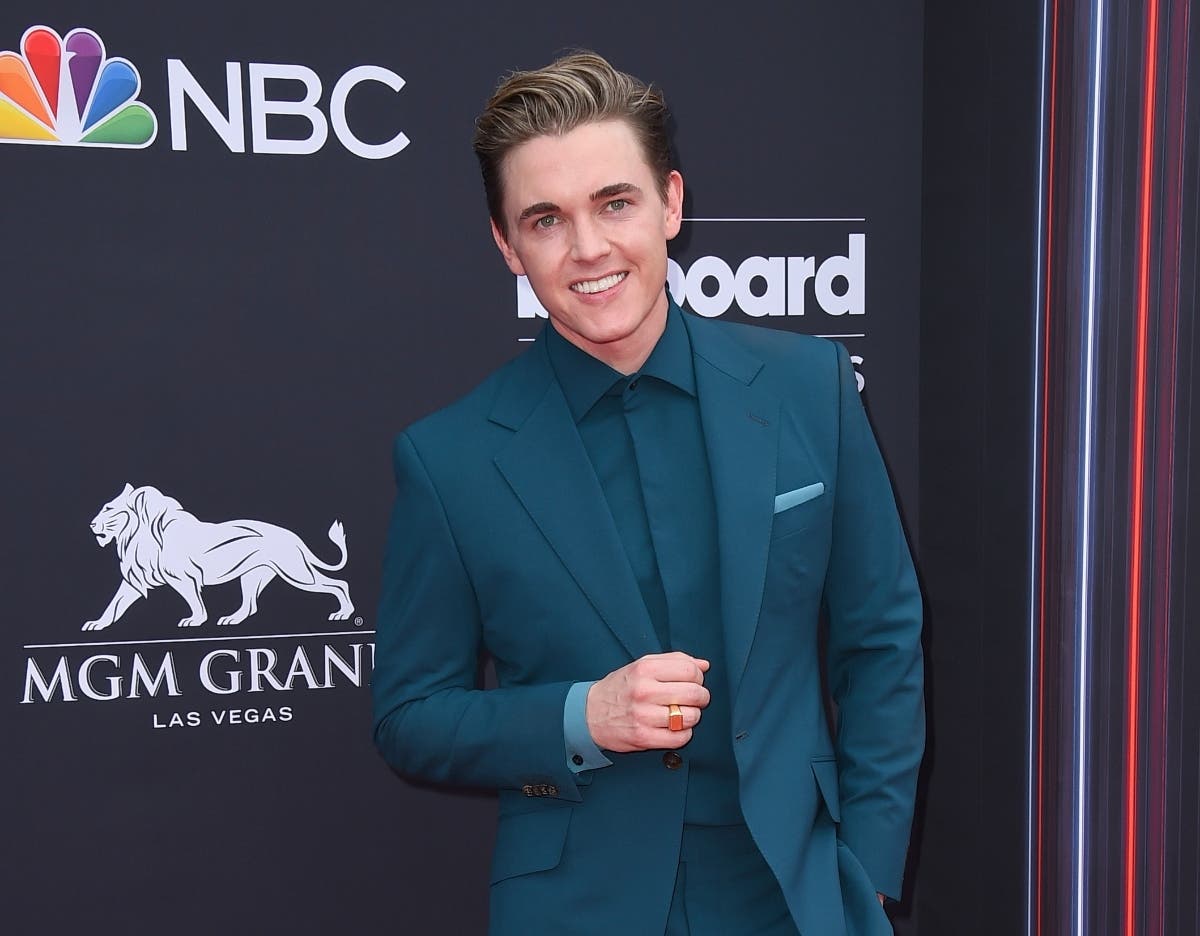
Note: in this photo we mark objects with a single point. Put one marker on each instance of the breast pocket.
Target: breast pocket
(801, 516)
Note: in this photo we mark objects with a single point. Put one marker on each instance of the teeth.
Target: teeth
(595, 286)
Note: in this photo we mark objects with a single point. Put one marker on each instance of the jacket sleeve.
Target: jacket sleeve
(430, 719)
(874, 651)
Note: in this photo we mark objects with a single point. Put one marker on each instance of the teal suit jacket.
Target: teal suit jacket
(501, 541)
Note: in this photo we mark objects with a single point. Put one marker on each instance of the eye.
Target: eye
(618, 204)
(546, 221)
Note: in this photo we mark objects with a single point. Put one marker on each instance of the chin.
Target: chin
(602, 336)
(612, 324)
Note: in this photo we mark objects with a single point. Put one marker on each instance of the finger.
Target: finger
(676, 656)
(662, 739)
(656, 717)
(676, 669)
(674, 693)
(691, 716)
(673, 655)
(668, 740)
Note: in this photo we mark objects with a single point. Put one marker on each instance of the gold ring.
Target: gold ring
(674, 717)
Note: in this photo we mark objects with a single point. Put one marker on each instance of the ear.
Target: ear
(506, 251)
(673, 205)
(128, 488)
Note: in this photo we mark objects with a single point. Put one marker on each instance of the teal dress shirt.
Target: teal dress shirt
(644, 438)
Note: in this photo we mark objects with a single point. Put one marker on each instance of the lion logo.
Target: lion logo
(160, 543)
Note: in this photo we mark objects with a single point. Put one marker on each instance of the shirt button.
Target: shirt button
(577, 760)
(633, 383)
(672, 760)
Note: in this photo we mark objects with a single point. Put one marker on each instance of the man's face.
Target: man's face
(588, 227)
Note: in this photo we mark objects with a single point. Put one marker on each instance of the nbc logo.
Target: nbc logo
(67, 91)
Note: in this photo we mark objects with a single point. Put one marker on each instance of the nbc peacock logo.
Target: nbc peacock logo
(68, 91)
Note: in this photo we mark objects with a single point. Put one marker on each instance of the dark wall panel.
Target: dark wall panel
(979, 204)
(244, 330)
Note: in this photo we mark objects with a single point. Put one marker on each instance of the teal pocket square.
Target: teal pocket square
(798, 496)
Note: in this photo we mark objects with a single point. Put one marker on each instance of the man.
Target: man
(640, 519)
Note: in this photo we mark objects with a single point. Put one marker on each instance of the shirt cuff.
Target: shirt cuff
(582, 753)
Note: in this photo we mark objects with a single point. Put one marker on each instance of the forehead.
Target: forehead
(564, 167)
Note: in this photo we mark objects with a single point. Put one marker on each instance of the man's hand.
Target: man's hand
(627, 709)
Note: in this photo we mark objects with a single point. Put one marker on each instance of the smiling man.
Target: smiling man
(597, 256)
(641, 520)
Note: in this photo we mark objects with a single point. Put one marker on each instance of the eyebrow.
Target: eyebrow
(617, 188)
(542, 207)
(608, 191)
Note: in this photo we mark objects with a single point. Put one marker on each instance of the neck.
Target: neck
(626, 355)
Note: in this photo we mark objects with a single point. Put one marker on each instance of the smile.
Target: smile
(598, 285)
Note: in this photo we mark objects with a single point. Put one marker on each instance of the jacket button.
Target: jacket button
(672, 760)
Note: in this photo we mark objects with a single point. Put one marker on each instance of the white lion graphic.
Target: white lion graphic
(160, 543)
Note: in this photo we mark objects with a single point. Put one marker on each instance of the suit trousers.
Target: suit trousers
(724, 887)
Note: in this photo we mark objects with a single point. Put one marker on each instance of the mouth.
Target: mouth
(603, 284)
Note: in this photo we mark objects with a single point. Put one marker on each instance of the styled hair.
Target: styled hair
(576, 89)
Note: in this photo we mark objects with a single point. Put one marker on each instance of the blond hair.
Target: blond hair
(576, 89)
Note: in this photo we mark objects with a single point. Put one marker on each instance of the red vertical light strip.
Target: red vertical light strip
(1175, 97)
(1136, 534)
(1039, 766)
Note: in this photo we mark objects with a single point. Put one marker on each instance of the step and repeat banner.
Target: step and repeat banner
(243, 246)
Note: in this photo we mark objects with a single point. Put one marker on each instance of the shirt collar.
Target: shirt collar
(584, 379)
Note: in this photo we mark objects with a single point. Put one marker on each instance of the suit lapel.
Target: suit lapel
(548, 469)
(741, 434)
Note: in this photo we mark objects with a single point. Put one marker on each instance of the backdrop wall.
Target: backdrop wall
(268, 256)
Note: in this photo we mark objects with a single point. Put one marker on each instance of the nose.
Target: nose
(95, 526)
(589, 243)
